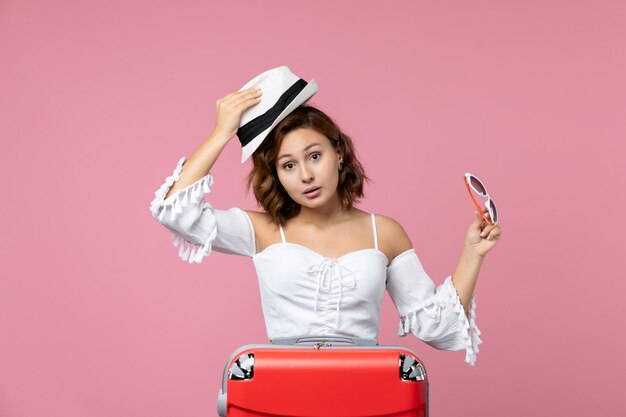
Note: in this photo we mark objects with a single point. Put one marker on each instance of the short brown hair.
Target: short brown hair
(263, 177)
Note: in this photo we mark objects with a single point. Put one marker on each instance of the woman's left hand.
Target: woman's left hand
(481, 236)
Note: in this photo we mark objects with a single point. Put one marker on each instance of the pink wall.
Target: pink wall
(98, 315)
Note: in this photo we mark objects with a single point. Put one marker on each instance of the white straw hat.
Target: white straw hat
(283, 91)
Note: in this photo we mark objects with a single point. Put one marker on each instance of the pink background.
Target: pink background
(98, 100)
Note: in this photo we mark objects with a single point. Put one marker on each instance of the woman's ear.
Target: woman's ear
(339, 149)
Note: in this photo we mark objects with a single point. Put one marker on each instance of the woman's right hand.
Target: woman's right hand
(230, 109)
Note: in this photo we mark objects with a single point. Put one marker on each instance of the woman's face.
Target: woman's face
(308, 167)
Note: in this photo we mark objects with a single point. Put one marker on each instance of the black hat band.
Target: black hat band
(257, 125)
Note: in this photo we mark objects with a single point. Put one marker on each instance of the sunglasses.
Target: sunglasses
(473, 183)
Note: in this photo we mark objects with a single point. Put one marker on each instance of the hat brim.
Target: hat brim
(307, 92)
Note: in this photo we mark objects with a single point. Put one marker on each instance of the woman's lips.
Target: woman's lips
(313, 193)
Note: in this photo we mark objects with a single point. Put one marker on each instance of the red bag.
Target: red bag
(320, 376)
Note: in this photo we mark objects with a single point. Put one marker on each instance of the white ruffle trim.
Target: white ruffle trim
(443, 298)
(193, 194)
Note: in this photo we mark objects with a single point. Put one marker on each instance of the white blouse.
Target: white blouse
(306, 294)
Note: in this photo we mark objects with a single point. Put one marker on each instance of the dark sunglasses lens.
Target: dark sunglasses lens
(478, 186)
(494, 211)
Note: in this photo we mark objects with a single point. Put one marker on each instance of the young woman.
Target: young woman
(323, 265)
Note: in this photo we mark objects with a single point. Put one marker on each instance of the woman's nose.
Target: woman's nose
(306, 174)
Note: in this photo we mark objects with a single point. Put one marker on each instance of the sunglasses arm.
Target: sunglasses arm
(480, 209)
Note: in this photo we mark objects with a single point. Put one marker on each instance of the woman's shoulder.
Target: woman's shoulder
(265, 229)
(259, 217)
(262, 221)
(392, 238)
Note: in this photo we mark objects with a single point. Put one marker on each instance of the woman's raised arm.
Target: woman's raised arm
(229, 111)
(179, 203)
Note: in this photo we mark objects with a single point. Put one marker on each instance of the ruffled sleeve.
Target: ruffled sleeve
(198, 227)
(433, 315)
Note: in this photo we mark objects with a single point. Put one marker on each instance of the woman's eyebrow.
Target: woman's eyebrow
(287, 155)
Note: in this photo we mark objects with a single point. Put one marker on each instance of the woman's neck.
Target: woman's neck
(323, 216)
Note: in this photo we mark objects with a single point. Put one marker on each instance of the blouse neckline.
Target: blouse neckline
(322, 256)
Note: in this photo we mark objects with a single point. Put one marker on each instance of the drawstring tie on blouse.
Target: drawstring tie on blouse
(327, 271)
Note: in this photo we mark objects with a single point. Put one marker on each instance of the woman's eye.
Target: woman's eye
(290, 165)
